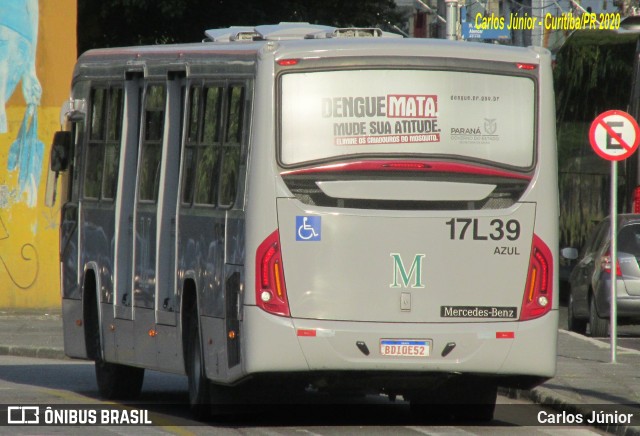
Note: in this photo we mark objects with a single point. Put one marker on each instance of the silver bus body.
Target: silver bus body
(375, 209)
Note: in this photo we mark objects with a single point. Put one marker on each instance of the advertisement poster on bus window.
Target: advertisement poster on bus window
(435, 113)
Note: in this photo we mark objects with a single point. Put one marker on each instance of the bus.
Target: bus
(332, 210)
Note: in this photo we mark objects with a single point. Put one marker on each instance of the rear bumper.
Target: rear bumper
(628, 306)
(277, 344)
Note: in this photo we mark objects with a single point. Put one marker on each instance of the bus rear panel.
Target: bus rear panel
(410, 229)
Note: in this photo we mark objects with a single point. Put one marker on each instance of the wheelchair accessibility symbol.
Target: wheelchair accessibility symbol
(308, 228)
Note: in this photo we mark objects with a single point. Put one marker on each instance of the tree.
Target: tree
(113, 23)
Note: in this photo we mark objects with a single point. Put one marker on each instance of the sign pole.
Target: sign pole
(613, 319)
(614, 135)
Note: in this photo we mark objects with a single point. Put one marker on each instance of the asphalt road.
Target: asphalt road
(71, 385)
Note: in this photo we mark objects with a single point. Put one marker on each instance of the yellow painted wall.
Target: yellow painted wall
(29, 262)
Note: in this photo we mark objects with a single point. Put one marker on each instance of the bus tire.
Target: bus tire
(115, 381)
(199, 386)
(118, 382)
(575, 324)
(599, 327)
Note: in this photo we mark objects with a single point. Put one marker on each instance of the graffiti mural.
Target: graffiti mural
(18, 41)
(37, 54)
(28, 253)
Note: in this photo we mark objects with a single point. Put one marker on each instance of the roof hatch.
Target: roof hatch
(283, 31)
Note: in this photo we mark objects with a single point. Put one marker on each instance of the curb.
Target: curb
(37, 352)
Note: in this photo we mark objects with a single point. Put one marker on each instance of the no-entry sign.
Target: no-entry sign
(614, 135)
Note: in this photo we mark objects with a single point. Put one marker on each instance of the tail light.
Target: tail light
(538, 293)
(271, 293)
(605, 264)
(636, 200)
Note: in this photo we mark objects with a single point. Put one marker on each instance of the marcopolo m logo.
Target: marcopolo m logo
(23, 415)
(402, 278)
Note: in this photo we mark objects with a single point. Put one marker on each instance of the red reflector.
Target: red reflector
(505, 335)
(287, 62)
(308, 333)
(527, 67)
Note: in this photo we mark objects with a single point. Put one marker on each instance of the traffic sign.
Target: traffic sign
(614, 135)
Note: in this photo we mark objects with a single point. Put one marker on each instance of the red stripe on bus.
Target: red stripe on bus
(408, 165)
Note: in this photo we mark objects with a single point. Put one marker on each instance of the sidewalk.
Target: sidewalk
(31, 333)
(585, 379)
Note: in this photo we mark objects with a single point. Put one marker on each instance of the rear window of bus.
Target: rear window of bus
(330, 115)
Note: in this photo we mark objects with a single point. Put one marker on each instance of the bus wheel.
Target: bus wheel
(575, 324)
(115, 381)
(199, 389)
(118, 382)
(599, 327)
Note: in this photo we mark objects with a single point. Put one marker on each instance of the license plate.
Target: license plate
(405, 347)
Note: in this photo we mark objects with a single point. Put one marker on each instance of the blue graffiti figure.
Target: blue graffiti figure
(18, 40)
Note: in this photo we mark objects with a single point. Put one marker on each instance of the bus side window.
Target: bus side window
(208, 147)
(149, 178)
(211, 162)
(232, 146)
(103, 151)
(188, 172)
(112, 145)
(202, 149)
(95, 149)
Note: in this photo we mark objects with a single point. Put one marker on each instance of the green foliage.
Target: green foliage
(593, 74)
(112, 23)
